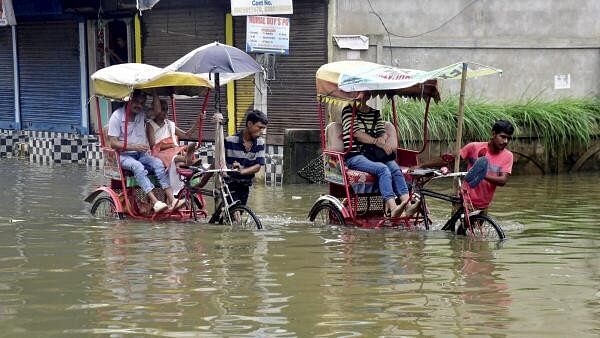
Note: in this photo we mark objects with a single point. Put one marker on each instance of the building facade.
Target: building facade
(48, 57)
(546, 48)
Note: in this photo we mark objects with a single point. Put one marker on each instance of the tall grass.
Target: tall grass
(561, 125)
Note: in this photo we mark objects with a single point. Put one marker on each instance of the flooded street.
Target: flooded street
(64, 274)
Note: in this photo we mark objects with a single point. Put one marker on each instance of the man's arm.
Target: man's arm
(150, 135)
(246, 171)
(432, 163)
(187, 134)
(499, 180)
(118, 145)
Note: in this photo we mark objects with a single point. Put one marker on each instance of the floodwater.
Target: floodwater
(64, 274)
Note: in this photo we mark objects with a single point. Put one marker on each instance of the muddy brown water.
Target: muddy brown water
(64, 274)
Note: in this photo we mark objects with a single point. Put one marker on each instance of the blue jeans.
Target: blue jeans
(389, 175)
(137, 162)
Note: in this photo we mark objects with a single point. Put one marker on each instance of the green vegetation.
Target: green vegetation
(560, 125)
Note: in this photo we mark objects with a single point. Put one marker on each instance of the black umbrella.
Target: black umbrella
(217, 59)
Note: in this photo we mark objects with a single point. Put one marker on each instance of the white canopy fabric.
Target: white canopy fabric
(359, 76)
(118, 81)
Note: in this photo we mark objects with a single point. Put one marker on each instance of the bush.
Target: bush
(561, 125)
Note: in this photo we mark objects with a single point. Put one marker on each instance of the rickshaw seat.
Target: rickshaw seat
(360, 181)
(333, 137)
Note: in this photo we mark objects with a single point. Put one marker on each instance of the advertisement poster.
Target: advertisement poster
(268, 34)
(261, 7)
(333, 168)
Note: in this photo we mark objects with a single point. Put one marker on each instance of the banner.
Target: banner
(268, 34)
(7, 14)
(261, 7)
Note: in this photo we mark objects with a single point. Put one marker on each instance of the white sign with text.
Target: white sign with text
(261, 7)
(268, 34)
(562, 81)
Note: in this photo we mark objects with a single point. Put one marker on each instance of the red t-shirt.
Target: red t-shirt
(502, 162)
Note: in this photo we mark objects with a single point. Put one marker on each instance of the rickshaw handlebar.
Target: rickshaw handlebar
(440, 174)
(197, 169)
(436, 173)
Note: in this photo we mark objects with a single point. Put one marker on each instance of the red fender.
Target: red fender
(111, 193)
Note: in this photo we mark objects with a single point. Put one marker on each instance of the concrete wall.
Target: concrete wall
(531, 41)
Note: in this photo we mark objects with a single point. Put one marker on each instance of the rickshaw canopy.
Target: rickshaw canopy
(118, 81)
(345, 79)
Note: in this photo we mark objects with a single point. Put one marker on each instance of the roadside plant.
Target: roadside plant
(561, 125)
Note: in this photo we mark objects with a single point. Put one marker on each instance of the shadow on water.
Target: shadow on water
(64, 274)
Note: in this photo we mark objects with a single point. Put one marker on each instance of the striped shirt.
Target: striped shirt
(363, 123)
(235, 151)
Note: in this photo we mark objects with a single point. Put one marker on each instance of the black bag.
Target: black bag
(376, 154)
(371, 151)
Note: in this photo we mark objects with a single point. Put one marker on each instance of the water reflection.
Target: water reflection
(63, 274)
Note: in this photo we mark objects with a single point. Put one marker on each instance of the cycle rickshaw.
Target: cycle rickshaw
(121, 196)
(353, 197)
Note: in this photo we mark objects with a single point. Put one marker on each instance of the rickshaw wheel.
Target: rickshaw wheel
(326, 214)
(243, 217)
(482, 227)
(194, 206)
(104, 208)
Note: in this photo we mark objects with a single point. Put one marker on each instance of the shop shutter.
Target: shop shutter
(7, 96)
(244, 88)
(292, 95)
(49, 76)
(172, 29)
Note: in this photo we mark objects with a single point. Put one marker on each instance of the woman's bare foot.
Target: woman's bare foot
(396, 212)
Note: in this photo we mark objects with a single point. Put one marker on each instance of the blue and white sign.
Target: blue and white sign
(267, 34)
(261, 7)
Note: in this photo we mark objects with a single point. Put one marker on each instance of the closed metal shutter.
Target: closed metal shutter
(49, 76)
(292, 95)
(172, 29)
(244, 88)
(7, 96)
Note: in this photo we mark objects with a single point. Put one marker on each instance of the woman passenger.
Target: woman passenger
(163, 137)
(389, 175)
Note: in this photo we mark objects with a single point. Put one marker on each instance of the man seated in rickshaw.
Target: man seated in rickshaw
(135, 155)
(163, 138)
(369, 129)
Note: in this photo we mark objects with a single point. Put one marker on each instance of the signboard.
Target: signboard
(562, 81)
(261, 7)
(7, 15)
(267, 34)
